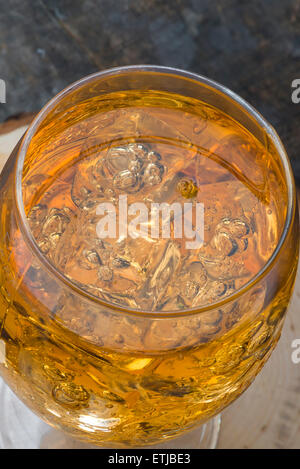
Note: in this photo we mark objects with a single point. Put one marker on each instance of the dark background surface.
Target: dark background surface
(253, 47)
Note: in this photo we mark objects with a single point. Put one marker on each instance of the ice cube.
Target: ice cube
(164, 261)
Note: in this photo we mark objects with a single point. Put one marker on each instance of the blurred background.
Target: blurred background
(251, 47)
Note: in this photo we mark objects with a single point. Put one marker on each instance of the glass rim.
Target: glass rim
(201, 80)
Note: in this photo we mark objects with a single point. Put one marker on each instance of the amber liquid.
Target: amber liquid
(120, 382)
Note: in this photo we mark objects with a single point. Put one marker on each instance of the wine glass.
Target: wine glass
(97, 367)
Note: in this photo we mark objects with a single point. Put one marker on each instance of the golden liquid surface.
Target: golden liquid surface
(176, 157)
(119, 379)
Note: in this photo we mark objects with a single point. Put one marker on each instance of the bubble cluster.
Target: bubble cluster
(120, 169)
